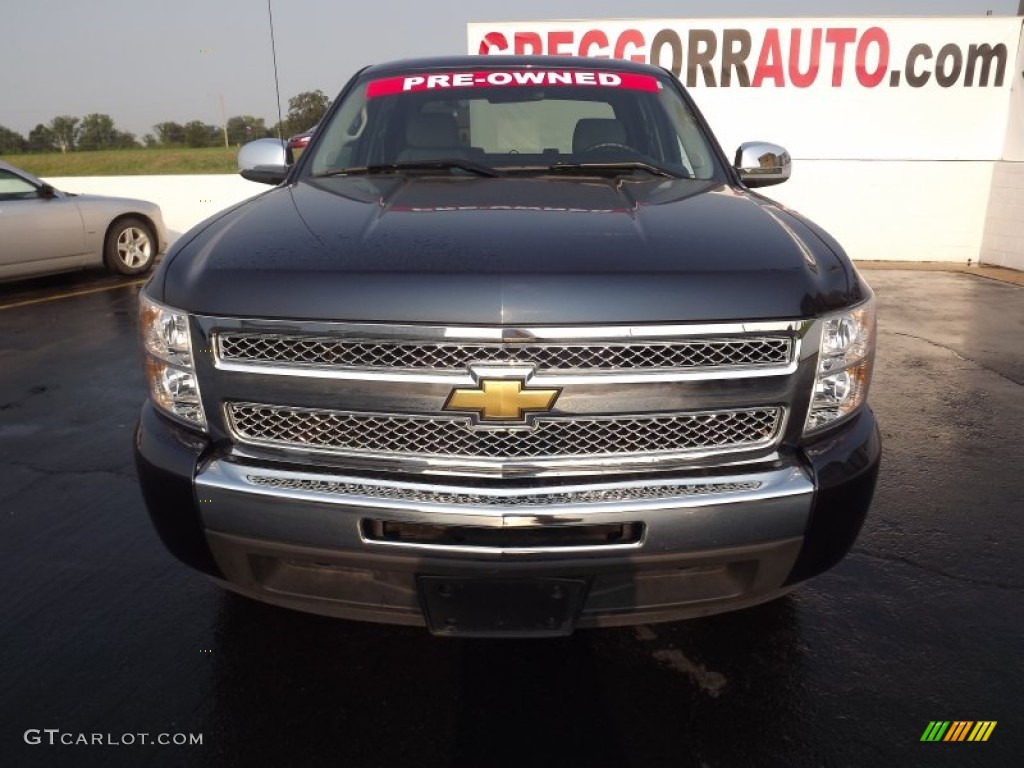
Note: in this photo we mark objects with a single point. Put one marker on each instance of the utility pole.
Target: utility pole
(223, 117)
(277, 83)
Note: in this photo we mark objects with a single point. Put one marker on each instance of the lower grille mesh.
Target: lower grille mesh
(424, 436)
(429, 496)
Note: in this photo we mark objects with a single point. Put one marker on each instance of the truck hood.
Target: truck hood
(507, 251)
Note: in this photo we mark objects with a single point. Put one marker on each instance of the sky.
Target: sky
(148, 61)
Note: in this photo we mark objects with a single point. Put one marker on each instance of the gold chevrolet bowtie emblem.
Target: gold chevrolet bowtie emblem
(501, 400)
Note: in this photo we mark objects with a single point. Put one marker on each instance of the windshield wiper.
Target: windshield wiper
(624, 165)
(415, 165)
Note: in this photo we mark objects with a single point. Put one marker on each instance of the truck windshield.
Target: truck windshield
(515, 121)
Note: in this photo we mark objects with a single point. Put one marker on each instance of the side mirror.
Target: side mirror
(761, 164)
(46, 192)
(265, 160)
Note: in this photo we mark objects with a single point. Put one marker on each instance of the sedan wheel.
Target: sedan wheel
(130, 247)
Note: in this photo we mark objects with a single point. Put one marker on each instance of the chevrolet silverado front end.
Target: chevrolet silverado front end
(511, 350)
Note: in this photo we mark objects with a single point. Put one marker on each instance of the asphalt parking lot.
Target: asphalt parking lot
(103, 633)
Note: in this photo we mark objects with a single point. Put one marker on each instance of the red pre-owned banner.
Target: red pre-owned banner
(430, 81)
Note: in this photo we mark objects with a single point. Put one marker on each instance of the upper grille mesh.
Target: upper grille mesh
(333, 351)
(389, 434)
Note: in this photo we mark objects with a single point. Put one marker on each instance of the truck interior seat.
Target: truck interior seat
(592, 131)
(431, 136)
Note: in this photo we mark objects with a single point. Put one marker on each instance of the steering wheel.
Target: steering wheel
(604, 146)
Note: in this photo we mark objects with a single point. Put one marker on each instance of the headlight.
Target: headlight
(170, 372)
(845, 358)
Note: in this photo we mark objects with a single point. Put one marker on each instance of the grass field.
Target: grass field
(128, 162)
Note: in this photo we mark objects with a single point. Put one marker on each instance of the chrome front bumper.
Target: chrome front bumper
(695, 546)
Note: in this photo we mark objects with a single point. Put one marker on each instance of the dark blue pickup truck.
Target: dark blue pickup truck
(512, 349)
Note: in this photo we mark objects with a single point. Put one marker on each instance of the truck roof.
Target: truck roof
(546, 62)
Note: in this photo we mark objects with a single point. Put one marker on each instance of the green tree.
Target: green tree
(245, 128)
(306, 109)
(199, 134)
(40, 139)
(125, 140)
(11, 142)
(149, 140)
(170, 133)
(97, 132)
(65, 131)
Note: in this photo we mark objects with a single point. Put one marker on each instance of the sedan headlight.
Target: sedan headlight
(845, 358)
(170, 370)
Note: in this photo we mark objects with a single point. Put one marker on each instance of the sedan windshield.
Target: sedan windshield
(514, 121)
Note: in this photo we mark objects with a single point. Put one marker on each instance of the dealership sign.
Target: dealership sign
(893, 88)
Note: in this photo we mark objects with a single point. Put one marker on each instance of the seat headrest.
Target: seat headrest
(591, 131)
(432, 130)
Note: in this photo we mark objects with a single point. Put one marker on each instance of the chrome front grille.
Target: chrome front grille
(413, 436)
(424, 495)
(632, 398)
(333, 351)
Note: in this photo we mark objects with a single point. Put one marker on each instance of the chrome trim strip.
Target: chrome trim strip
(456, 378)
(423, 467)
(452, 378)
(478, 550)
(385, 332)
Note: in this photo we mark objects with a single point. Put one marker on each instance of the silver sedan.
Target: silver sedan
(43, 230)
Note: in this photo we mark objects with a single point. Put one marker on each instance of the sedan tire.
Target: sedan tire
(130, 247)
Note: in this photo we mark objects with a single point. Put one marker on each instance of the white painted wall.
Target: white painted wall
(184, 200)
(1003, 242)
(894, 210)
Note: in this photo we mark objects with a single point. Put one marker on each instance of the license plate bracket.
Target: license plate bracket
(535, 607)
